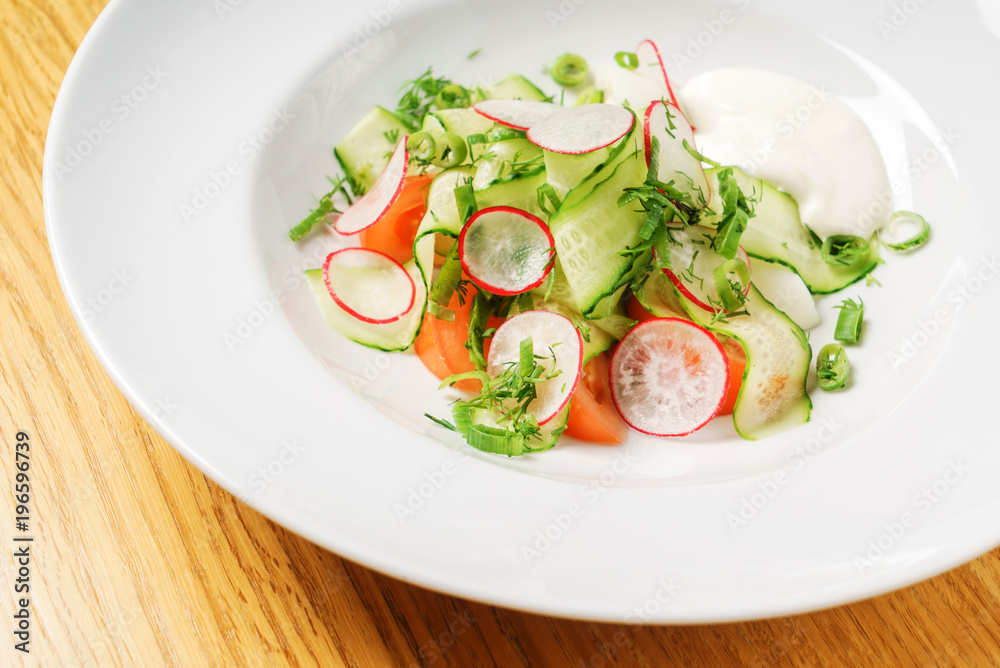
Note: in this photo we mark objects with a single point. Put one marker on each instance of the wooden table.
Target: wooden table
(139, 559)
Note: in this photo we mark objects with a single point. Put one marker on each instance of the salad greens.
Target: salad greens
(637, 225)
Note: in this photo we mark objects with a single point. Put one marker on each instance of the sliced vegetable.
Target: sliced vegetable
(905, 232)
(773, 397)
(364, 152)
(592, 413)
(852, 314)
(694, 265)
(506, 251)
(737, 358)
(517, 114)
(785, 290)
(569, 70)
(833, 368)
(677, 165)
(627, 87)
(576, 130)
(558, 347)
(776, 234)
(650, 65)
(377, 202)
(369, 285)
(669, 377)
(844, 250)
(394, 233)
(391, 337)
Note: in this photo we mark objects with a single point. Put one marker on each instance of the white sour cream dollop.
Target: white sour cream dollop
(797, 138)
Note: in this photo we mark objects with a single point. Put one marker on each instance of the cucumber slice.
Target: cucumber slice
(773, 397)
(392, 337)
(365, 151)
(596, 339)
(776, 234)
(521, 193)
(503, 156)
(566, 172)
(441, 218)
(463, 122)
(590, 233)
(516, 87)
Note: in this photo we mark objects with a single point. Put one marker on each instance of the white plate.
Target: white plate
(189, 136)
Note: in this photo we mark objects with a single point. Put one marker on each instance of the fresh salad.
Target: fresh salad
(580, 268)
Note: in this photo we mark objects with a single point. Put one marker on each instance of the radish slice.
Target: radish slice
(547, 330)
(676, 163)
(375, 203)
(669, 377)
(651, 66)
(627, 87)
(505, 250)
(517, 114)
(369, 285)
(694, 263)
(576, 130)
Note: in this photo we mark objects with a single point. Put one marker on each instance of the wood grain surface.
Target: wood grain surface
(140, 560)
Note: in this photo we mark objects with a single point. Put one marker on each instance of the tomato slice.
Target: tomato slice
(448, 338)
(592, 413)
(635, 310)
(429, 353)
(394, 234)
(737, 364)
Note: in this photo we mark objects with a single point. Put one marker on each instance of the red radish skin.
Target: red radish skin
(649, 58)
(352, 311)
(506, 344)
(517, 114)
(375, 204)
(678, 115)
(669, 377)
(683, 288)
(471, 270)
(585, 129)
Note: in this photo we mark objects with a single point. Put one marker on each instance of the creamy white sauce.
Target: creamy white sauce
(797, 138)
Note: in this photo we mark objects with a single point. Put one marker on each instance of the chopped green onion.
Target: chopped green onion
(452, 152)
(473, 54)
(479, 317)
(422, 146)
(548, 199)
(495, 441)
(832, 367)
(452, 96)
(629, 61)
(653, 218)
(590, 95)
(844, 250)
(697, 154)
(500, 134)
(849, 323)
(445, 285)
(893, 239)
(732, 291)
(465, 199)
(320, 213)
(736, 215)
(440, 312)
(444, 423)
(527, 357)
(569, 70)
(462, 414)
